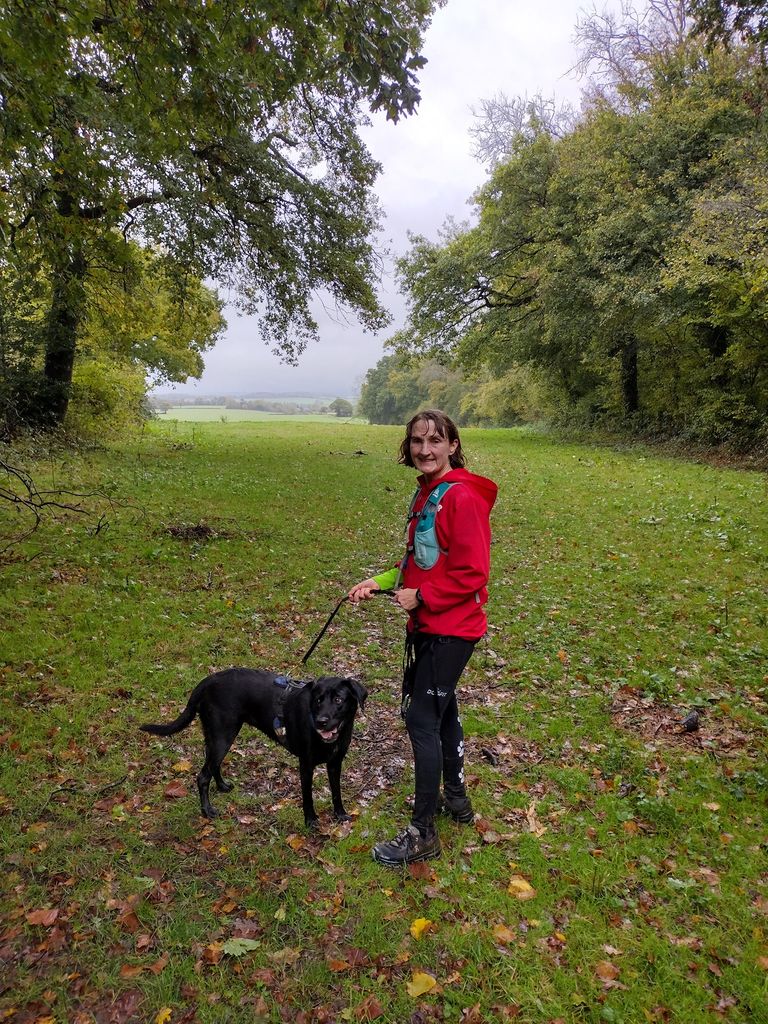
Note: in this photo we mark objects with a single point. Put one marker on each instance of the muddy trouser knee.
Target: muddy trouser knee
(432, 721)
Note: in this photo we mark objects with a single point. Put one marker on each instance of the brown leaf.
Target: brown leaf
(159, 965)
(46, 918)
(421, 871)
(212, 954)
(607, 971)
(369, 1009)
(337, 966)
(130, 971)
(176, 791)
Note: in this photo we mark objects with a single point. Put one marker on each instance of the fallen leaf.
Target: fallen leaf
(421, 870)
(503, 934)
(129, 971)
(337, 966)
(212, 954)
(238, 947)
(421, 926)
(711, 807)
(163, 1016)
(420, 984)
(182, 766)
(159, 965)
(762, 962)
(44, 917)
(285, 957)
(607, 971)
(369, 1009)
(521, 888)
(534, 825)
(176, 791)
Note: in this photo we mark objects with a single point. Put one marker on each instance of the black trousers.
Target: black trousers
(433, 667)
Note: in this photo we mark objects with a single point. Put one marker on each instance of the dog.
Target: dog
(313, 720)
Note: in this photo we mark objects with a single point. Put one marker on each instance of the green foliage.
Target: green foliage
(223, 135)
(398, 386)
(341, 407)
(623, 263)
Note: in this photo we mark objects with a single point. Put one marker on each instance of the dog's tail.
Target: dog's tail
(186, 717)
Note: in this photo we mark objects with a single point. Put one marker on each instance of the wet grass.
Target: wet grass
(627, 590)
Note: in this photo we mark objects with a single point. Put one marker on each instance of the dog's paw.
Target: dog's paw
(343, 816)
(226, 787)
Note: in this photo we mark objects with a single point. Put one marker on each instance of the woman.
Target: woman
(441, 583)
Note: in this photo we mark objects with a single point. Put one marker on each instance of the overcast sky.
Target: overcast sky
(475, 49)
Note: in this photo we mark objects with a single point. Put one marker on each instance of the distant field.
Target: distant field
(220, 414)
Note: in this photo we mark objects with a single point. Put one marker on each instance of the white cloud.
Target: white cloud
(475, 49)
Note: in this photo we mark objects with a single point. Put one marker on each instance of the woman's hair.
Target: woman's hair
(444, 426)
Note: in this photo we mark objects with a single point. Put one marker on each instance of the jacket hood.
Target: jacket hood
(482, 486)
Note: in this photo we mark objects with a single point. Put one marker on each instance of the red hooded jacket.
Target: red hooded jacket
(454, 591)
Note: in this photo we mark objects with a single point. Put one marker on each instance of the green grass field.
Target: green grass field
(617, 871)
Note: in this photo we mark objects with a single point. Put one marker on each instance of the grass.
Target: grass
(627, 590)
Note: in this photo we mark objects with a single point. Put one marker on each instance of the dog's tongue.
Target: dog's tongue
(327, 735)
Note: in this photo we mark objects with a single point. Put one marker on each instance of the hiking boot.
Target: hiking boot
(458, 808)
(408, 847)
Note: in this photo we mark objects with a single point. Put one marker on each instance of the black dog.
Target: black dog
(312, 720)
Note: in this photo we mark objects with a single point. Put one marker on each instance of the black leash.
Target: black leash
(331, 617)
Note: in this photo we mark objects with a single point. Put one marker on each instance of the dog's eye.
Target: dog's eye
(338, 700)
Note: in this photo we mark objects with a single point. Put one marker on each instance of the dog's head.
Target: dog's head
(334, 702)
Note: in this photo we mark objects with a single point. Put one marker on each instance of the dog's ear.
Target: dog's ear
(359, 691)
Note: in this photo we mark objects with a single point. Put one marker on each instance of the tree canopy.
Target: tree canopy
(623, 261)
(223, 137)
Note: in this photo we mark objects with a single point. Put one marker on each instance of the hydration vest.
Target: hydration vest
(425, 547)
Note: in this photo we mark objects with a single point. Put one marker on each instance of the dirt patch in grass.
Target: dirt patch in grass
(659, 723)
(194, 532)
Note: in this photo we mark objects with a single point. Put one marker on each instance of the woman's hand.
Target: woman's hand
(363, 591)
(407, 598)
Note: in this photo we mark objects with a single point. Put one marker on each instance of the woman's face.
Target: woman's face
(430, 452)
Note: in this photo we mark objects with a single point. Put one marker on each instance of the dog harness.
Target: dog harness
(283, 686)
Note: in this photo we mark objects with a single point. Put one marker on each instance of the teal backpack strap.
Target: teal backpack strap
(426, 549)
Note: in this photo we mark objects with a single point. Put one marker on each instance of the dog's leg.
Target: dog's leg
(217, 744)
(334, 779)
(306, 771)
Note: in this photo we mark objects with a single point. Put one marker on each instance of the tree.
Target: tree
(623, 263)
(341, 407)
(731, 21)
(223, 134)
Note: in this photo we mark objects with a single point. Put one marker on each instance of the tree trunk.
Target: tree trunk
(629, 386)
(63, 323)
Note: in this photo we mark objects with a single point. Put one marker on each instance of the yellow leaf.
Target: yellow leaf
(520, 888)
(421, 926)
(711, 807)
(180, 766)
(163, 1016)
(420, 984)
(503, 934)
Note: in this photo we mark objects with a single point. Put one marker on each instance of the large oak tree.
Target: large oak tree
(222, 135)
